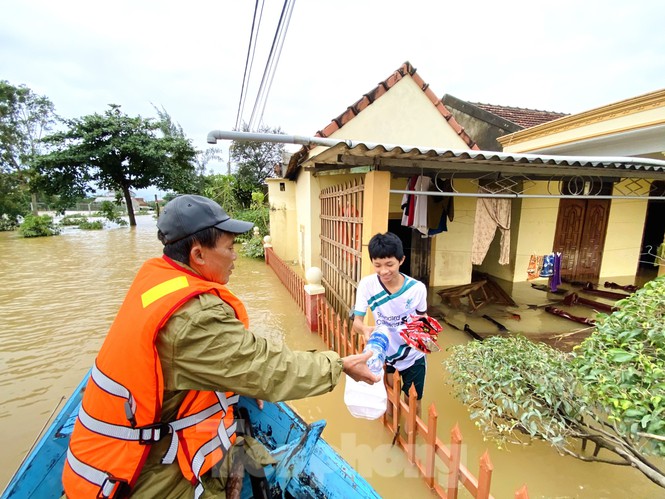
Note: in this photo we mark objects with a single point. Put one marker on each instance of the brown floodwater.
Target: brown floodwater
(61, 294)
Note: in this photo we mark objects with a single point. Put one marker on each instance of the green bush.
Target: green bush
(622, 364)
(69, 220)
(253, 248)
(7, 223)
(95, 225)
(610, 391)
(259, 214)
(38, 226)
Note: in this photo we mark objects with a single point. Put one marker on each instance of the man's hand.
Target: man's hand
(356, 367)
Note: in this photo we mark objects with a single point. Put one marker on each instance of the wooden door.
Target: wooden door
(580, 237)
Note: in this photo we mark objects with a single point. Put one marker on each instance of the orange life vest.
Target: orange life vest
(120, 416)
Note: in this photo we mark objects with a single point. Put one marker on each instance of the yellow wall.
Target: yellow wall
(624, 235)
(283, 218)
(533, 226)
(451, 250)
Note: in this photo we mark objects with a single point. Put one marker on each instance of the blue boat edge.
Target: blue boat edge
(307, 465)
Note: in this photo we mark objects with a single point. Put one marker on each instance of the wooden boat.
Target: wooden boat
(306, 464)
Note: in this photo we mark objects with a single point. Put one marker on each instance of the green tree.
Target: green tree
(255, 162)
(609, 392)
(221, 188)
(202, 157)
(24, 118)
(116, 152)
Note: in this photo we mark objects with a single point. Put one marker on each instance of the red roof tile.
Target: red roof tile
(525, 118)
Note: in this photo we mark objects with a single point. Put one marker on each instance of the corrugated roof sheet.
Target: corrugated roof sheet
(388, 156)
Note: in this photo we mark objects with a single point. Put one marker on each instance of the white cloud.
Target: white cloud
(189, 56)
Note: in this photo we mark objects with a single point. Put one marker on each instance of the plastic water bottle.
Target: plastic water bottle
(377, 344)
(369, 401)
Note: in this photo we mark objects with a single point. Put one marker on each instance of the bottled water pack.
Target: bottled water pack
(364, 400)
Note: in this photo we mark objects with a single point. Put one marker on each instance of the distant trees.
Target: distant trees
(610, 392)
(117, 152)
(255, 162)
(24, 118)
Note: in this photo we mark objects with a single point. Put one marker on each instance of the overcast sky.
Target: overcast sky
(189, 56)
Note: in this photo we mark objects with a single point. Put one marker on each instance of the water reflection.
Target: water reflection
(61, 294)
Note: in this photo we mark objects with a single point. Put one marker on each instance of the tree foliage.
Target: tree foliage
(115, 152)
(24, 118)
(255, 162)
(623, 366)
(609, 392)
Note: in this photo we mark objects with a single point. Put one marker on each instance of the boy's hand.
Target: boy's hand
(356, 367)
(367, 332)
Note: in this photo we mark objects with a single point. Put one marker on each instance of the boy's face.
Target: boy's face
(388, 269)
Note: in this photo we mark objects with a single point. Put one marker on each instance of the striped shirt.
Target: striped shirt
(391, 310)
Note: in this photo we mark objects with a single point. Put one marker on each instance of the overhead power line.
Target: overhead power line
(271, 63)
(249, 61)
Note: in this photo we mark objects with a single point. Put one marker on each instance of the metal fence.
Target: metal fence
(341, 242)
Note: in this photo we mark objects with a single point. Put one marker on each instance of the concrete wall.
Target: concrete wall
(451, 250)
(283, 218)
(624, 235)
(485, 128)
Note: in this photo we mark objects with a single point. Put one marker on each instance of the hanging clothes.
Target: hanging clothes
(548, 266)
(534, 267)
(415, 206)
(440, 209)
(420, 208)
(555, 280)
(408, 202)
(490, 214)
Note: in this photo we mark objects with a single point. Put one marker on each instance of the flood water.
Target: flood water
(61, 294)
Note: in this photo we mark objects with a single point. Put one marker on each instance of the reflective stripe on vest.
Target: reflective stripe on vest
(194, 419)
(108, 485)
(110, 386)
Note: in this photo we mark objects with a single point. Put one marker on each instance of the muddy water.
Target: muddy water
(60, 295)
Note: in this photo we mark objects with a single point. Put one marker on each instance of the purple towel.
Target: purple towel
(555, 280)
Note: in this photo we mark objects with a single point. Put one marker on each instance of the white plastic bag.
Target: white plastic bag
(365, 401)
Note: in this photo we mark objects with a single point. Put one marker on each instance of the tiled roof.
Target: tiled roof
(525, 118)
(367, 99)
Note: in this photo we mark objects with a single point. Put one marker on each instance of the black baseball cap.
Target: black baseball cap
(185, 215)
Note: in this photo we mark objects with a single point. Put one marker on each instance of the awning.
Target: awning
(504, 174)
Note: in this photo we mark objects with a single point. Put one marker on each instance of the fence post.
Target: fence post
(455, 458)
(484, 476)
(430, 439)
(522, 493)
(313, 288)
(267, 248)
(412, 426)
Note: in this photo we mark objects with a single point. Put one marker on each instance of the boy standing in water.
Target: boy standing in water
(392, 296)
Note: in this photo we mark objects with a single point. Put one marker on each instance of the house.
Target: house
(113, 198)
(355, 176)
(617, 229)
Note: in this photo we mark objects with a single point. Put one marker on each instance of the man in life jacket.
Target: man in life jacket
(157, 415)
